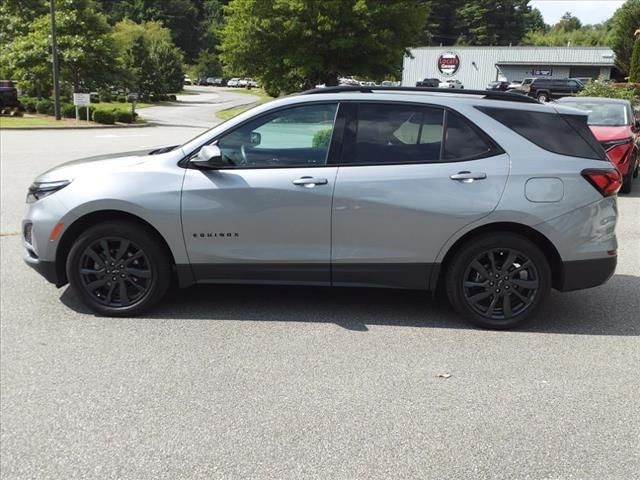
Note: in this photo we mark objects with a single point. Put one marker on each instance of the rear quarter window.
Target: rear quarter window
(562, 134)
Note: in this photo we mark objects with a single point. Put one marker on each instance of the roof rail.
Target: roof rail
(488, 94)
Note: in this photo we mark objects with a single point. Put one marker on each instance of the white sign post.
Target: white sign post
(82, 100)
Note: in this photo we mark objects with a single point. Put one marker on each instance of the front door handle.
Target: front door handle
(310, 182)
(468, 177)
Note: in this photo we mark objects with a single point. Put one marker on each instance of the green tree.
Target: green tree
(493, 22)
(181, 17)
(440, 28)
(293, 44)
(634, 68)
(152, 63)
(626, 21)
(568, 23)
(587, 35)
(208, 65)
(84, 44)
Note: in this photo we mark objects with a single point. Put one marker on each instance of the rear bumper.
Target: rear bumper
(581, 274)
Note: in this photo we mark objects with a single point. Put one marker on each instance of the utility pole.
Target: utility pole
(56, 68)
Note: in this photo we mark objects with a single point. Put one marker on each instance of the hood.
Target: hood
(100, 163)
(606, 134)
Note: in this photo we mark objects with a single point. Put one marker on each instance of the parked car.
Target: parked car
(496, 199)
(615, 126)
(428, 83)
(451, 84)
(234, 82)
(498, 86)
(187, 80)
(545, 89)
(8, 94)
(215, 81)
(251, 83)
(584, 80)
(389, 83)
(514, 85)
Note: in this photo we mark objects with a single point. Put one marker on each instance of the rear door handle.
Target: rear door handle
(468, 177)
(310, 182)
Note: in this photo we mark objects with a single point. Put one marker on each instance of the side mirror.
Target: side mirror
(255, 138)
(209, 157)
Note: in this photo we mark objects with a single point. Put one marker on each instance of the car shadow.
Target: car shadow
(612, 309)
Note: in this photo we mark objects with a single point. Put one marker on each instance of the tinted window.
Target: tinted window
(397, 134)
(550, 131)
(463, 142)
(295, 137)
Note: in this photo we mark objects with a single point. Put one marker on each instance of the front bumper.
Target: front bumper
(47, 269)
(581, 274)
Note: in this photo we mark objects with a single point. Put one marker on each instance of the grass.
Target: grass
(36, 121)
(124, 106)
(232, 112)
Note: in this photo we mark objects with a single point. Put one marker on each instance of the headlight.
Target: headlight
(39, 190)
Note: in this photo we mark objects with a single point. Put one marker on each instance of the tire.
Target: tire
(134, 277)
(542, 97)
(627, 181)
(527, 267)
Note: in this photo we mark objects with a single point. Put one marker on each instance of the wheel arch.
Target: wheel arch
(540, 240)
(94, 218)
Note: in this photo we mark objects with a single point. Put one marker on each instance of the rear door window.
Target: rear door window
(463, 141)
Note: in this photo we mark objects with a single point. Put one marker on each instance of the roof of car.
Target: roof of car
(592, 100)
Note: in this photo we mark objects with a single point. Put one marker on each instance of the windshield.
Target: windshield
(606, 114)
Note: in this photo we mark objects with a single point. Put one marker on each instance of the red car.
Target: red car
(614, 125)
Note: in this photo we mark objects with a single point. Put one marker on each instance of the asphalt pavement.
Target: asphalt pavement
(296, 383)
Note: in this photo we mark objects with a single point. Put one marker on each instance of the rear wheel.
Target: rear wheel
(498, 280)
(118, 269)
(542, 97)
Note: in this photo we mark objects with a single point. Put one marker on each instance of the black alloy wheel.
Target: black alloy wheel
(116, 272)
(500, 283)
(119, 274)
(498, 280)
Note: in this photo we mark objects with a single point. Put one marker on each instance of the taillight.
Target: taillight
(607, 182)
(617, 151)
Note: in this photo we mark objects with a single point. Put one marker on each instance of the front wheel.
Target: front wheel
(118, 269)
(498, 281)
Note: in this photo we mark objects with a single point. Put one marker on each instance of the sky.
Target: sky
(588, 11)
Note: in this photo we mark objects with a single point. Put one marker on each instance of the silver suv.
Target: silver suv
(489, 196)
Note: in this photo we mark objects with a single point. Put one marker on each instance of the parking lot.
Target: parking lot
(293, 382)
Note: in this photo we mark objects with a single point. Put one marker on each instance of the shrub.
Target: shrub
(322, 138)
(45, 106)
(608, 90)
(69, 110)
(107, 117)
(29, 104)
(82, 112)
(124, 116)
(122, 99)
(105, 96)
(94, 98)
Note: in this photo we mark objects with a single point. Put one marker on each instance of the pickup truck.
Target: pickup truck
(428, 83)
(8, 94)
